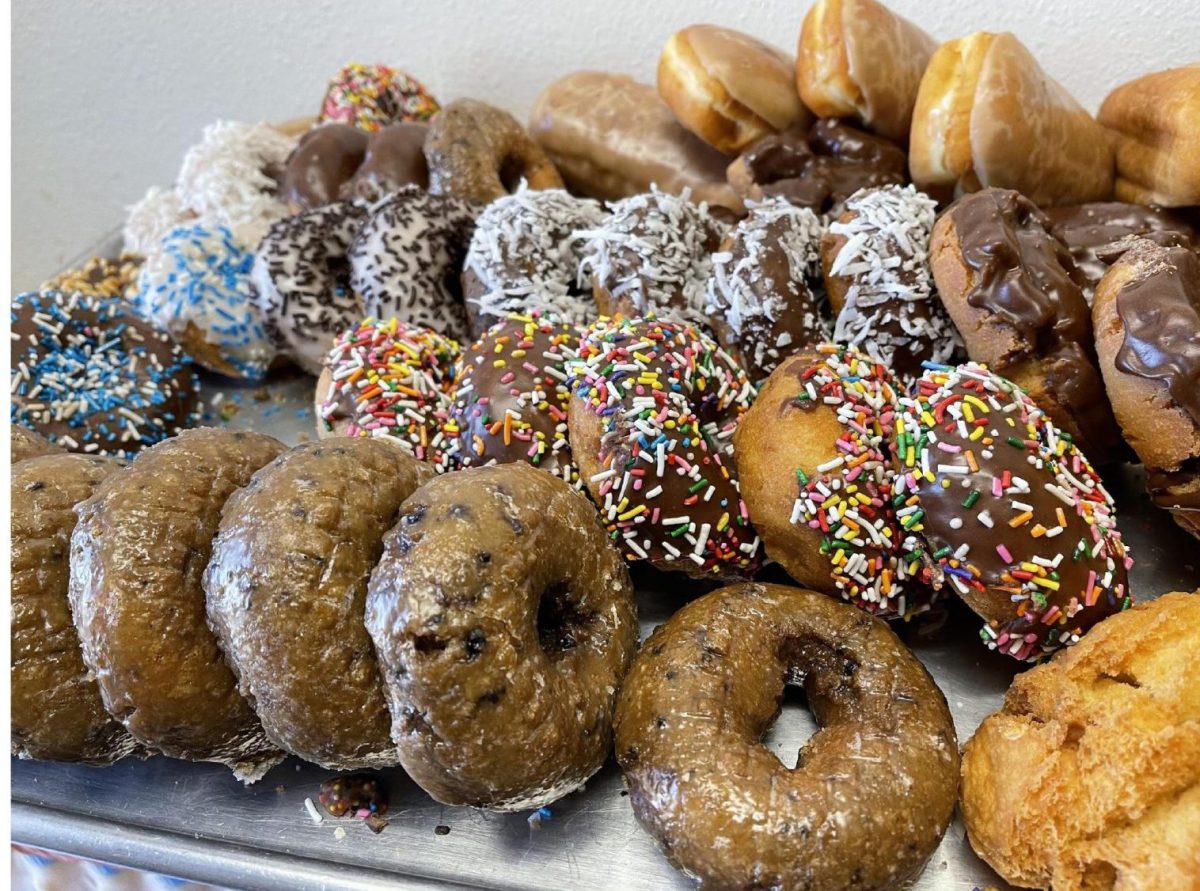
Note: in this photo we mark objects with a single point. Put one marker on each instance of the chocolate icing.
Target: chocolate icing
(1160, 313)
(395, 157)
(322, 162)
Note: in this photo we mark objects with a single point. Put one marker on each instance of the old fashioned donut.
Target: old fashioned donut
(652, 255)
(57, 713)
(407, 257)
(814, 459)
(759, 300)
(873, 791)
(24, 443)
(476, 152)
(875, 259)
(302, 281)
(138, 556)
(653, 408)
(511, 397)
(1012, 517)
(93, 376)
(502, 686)
(285, 591)
(370, 97)
(524, 257)
(197, 287)
(386, 378)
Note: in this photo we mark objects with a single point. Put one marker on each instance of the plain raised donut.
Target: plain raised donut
(873, 790)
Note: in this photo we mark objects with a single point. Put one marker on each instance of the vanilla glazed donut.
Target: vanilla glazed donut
(302, 285)
(872, 792)
(502, 685)
(406, 259)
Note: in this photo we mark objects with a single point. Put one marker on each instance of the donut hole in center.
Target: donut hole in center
(559, 620)
(793, 726)
(511, 172)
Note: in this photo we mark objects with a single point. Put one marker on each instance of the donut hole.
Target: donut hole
(559, 621)
(792, 727)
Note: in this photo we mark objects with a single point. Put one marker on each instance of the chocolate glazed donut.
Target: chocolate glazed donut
(873, 790)
(504, 622)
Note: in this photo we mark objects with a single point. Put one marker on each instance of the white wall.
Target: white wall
(107, 95)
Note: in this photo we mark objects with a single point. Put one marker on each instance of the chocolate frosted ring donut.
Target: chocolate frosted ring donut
(874, 789)
(502, 683)
(479, 153)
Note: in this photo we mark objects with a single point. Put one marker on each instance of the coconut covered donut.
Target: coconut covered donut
(1012, 516)
(406, 259)
(511, 397)
(524, 255)
(653, 408)
(502, 686)
(386, 378)
(302, 282)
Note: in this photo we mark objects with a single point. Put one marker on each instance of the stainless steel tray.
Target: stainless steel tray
(195, 821)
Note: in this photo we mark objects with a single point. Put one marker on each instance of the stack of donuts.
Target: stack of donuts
(857, 312)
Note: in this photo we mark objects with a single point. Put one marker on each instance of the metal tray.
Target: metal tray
(195, 821)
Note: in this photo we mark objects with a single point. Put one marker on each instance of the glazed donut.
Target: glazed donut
(524, 256)
(24, 443)
(285, 588)
(303, 284)
(57, 713)
(874, 789)
(502, 689)
(478, 153)
(91, 375)
(652, 255)
(511, 397)
(758, 298)
(100, 277)
(386, 378)
(1015, 296)
(1147, 314)
(1011, 515)
(138, 554)
(875, 259)
(814, 460)
(653, 408)
(197, 288)
(406, 259)
(370, 97)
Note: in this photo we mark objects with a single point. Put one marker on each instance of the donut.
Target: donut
(652, 255)
(100, 277)
(814, 459)
(407, 257)
(1015, 296)
(524, 255)
(302, 281)
(875, 260)
(370, 97)
(511, 397)
(395, 158)
(1009, 514)
(57, 713)
(387, 378)
(24, 443)
(197, 288)
(502, 687)
(653, 408)
(138, 555)
(758, 298)
(476, 152)
(286, 586)
(1147, 315)
(874, 789)
(91, 375)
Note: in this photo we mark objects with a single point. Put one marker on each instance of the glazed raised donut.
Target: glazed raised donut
(24, 443)
(873, 790)
(502, 686)
(478, 153)
(370, 97)
(406, 259)
(386, 378)
(302, 281)
(285, 589)
(653, 409)
(1012, 516)
(93, 376)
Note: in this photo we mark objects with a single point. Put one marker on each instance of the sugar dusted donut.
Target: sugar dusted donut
(388, 378)
(1012, 516)
(372, 96)
(653, 408)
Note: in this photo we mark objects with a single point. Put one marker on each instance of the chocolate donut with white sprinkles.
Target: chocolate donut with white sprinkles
(91, 375)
